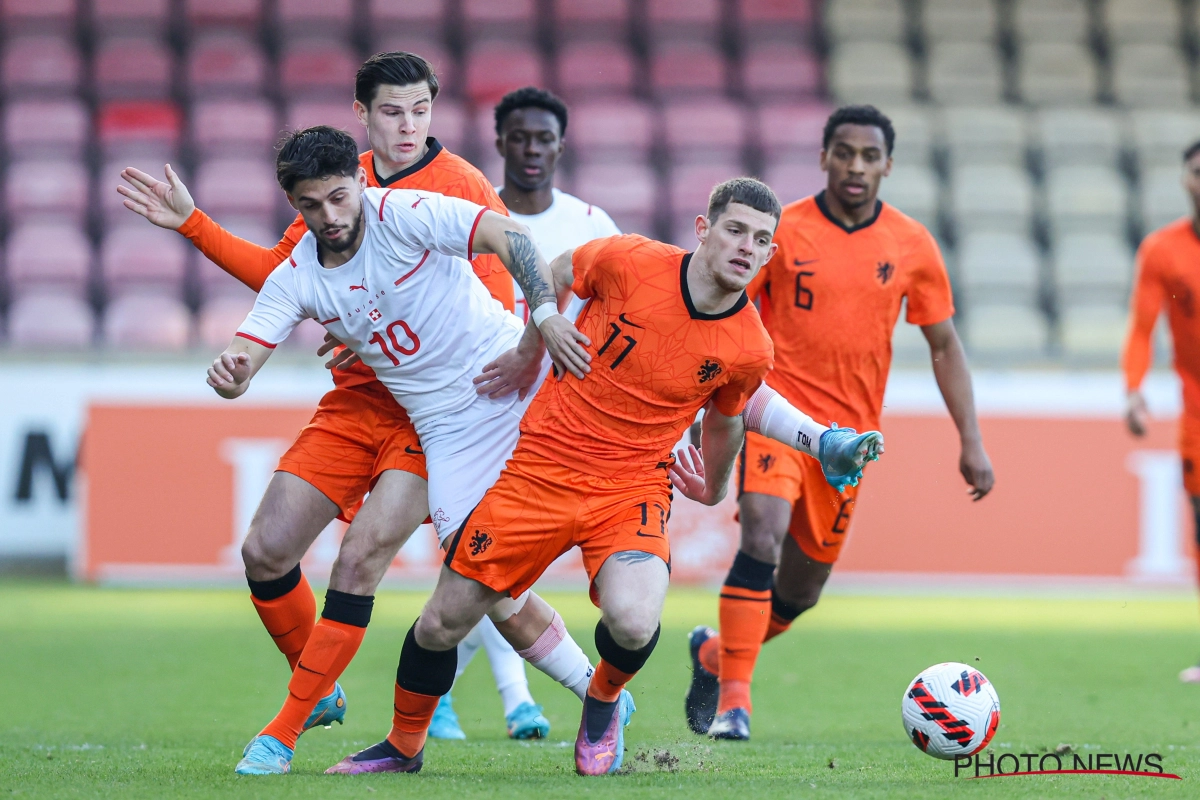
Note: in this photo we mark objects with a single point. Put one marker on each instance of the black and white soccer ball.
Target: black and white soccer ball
(950, 710)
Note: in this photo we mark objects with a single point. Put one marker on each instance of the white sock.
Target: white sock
(468, 647)
(508, 668)
(556, 654)
(769, 414)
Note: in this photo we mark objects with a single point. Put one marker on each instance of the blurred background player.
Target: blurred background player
(1168, 278)
(830, 297)
(360, 439)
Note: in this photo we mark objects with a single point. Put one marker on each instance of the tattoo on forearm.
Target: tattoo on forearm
(524, 270)
(633, 556)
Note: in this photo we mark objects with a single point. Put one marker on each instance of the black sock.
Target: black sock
(422, 671)
(277, 588)
(598, 714)
(384, 749)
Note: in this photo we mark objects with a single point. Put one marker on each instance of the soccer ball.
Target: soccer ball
(950, 710)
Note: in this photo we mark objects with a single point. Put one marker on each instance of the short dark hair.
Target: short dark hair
(748, 192)
(315, 153)
(396, 69)
(859, 115)
(531, 97)
(1192, 149)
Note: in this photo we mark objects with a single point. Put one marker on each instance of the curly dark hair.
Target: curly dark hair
(531, 97)
(859, 115)
(315, 153)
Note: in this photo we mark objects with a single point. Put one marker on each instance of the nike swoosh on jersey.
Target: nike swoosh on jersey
(413, 451)
(621, 317)
(649, 535)
(798, 263)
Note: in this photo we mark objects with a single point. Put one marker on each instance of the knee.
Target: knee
(796, 599)
(437, 630)
(262, 562)
(761, 535)
(632, 630)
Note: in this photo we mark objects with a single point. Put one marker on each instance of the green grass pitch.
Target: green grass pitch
(147, 693)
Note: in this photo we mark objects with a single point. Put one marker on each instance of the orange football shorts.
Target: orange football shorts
(1189, 451)
(355, 434)
(820, 515)
(540, 509)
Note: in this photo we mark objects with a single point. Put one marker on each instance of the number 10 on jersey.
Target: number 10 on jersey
(377, 338)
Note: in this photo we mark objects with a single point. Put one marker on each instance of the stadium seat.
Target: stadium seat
(793, 180)
(234, 127)
(1161, 198)
(226, 64)
(324, 18)
(965, 72)
(46, 189)
(426, 18)
(791, 131)
(1077, 135)
(689, 186)
(1150, 75)
(780, 71)
(40, 16)
(1142, 21)
(338, 113)
(1053, 73)
(865, 20)
(696, 130)
(914, 134)
(214, 282)
(137, 253)
(48, 254)
(317, 68)
(109, 178)
(147, 320)
(138, 126)
(74, 322)
(1086, 199)
(913, 188)
(682, 67)
(144, 17)
(870, 72)
(1159, 137)
(241, 187)
(1051, 20)
(220, 317)
(132, 67)
(1011, 332)
(430, 48)
(999, 267)
(41, 66)
(591, 19)
(762, 21)
(959, 21)
(511, 20)
(48, 128)
(495, 68)
(625, 190)
(1094, 332)
(1092, 266)
(975, 135)
(610, 131)
(595, 68)
(684, 20)
(241, 15)
(995, 198)
(449, 124)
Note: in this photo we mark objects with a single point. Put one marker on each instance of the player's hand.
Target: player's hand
(342, 359)
(566, 346)
(687, 475)
(167, 205)
(512, 371)
(1136, 414)
(229, 373)
(976, 469)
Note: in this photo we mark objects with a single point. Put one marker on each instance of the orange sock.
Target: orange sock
(410, 721)
(607, 682)
(710, 654)
(776, 626)
(330, 649)
(745, 615)
(289, 617)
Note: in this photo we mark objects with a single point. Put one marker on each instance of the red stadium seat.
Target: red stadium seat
(56, 128)
(591, 19)
(687, 68)
(339, 114)
(697, 129)
(793, 180)
(138, 253)
(138, 125)
(131, 16)
(412, 17)
(220, 317)
(500, 19)
(46, 189)
(132, 67)
(40, 16)
(226, 64)
(321, 17)
(689, 20)
(245, 15)
(147, 320)
(494, 68)
(73, 321)
(449, 125)
(690, 185)
(317, 67)
(237, 186)
(792, 130)
(40, 65)
(588, 69)
(235, 127)
(428, 48)
(788, 20)
(48, 254)
(611, 131)
(781, 71)
(620, 189)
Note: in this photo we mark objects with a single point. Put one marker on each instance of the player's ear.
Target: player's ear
(360, 177)
(887, 167)
(291, 201)
(701, 227)
(774, 248)
(362, 112)
(824, 161)
(500, 144)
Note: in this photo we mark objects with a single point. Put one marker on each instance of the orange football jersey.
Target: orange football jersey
(438, 170)
(830, 298)
(656, 361)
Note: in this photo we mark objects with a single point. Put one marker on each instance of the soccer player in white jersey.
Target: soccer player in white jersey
(387, 271)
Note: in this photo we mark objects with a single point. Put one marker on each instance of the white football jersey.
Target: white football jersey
(408, 302)
(566, 224)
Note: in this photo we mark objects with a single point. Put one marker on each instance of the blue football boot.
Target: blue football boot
(734, 724)
(444, 724)
(844, 452)
(526, 722)
(330, 709)
(265, 755)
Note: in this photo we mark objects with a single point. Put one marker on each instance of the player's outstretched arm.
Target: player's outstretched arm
(231, 372)
(954, 381)
(703, 475)
(167, 205)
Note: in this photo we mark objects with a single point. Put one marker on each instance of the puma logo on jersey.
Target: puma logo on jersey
(363, 287)
(419, 199)
(708, 370)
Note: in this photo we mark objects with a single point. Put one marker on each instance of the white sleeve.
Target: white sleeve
(435, 222)
(602, 224)
(277, 309)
